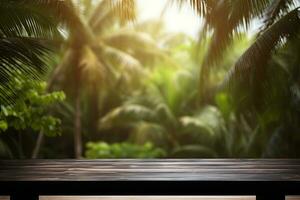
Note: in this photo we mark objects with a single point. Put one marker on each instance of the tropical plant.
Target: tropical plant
(262, 80)
(28, 31)
(168, 120)
(165, 112)
(102, 53)
(96, 150)
(28, 114)
(224, 20)
(136, 83)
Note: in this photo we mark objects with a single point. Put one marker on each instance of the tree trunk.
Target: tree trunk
(38, 145)
(94, 108)
(40, 138)
(77, 89)
(77, 128)
(82, 34)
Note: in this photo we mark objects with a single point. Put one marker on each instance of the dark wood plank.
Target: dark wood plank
(20, 196)
(271, 197)
(150, 170)
(148, 198)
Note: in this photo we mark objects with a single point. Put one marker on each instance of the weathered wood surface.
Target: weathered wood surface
(150, 170)
(148, 198)
(151, 198)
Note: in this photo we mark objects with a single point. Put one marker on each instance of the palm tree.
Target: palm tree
(101, 52)
(29, 31)
(264, 79)
(225, 20)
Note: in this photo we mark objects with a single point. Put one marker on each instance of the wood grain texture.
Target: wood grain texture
(150, 170)
(292, 197)
(148, 198)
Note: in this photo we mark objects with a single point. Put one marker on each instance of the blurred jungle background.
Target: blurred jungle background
(149, 79)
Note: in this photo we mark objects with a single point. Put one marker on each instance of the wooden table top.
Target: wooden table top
(150, 170)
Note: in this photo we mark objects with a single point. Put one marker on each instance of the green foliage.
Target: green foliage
(122, 150)
(126, 115)
(27, 33)
(166, 113)
(30, 111)
(223, 102)
(155, 133)
(134, 87)
(193, 151)
(207, 124)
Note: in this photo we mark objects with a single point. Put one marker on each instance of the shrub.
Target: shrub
(122, 150)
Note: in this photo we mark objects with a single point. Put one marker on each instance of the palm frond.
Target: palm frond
(126, 115)
(138, 44)
(126, 9)
(130, 39)
(18, 52)
(19, 19)
(122, 60)
(223, 22)
(121, 70)
(62, 11)
(19, 57)
(208, 122)
(202, 7)
(93, 71)
(276, 10)
(108, 12)
(226, 19)
(255, 59)
(27, 28)
(57, 75)
(102, 17)
(145, 132)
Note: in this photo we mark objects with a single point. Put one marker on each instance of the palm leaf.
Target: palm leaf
(202, 7)
(130, 39)
(93, 71)
(126, 115)
(121, 59)
(126, 9)
(276, 10)
(19, 19)
(255, 59)
(138, 44)
(227, 19)
(108, 11)
(17, 52)
(104, 23)
(27, 28)
(145, 132)
(209, 120)
(223, 21)
(23, 55)
(58, 10)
